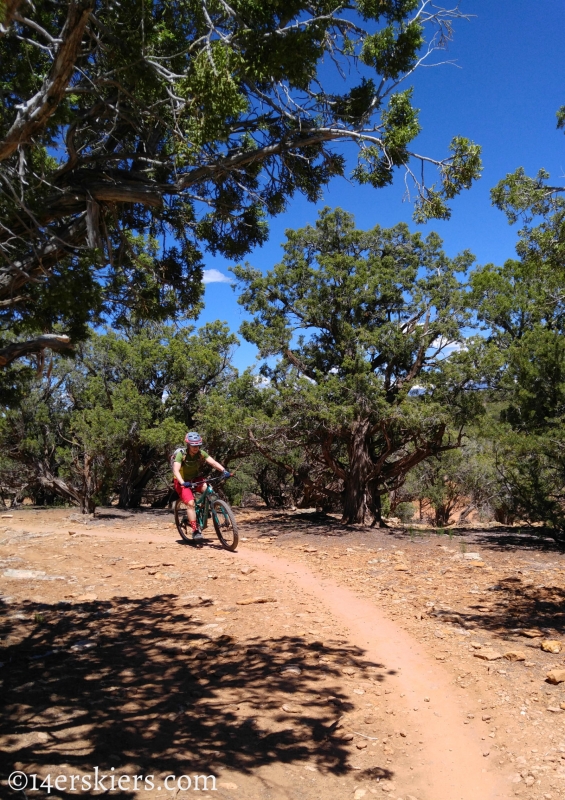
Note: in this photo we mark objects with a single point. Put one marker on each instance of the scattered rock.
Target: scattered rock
(247, 570)
(488, 655)
(514, 655)
(531, 633)
(291, 669)
(247, 601)
(359, 793)
(84, 644)
(24, 574)
(348, 671)
(551, 646)
(486, 718)
(227, 785)
(555, 709)
(82, 598)
(361, 745)
(290, 709)
(473, 556)
(555, 676)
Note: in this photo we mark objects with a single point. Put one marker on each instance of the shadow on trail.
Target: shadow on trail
(512, 539)
(141, 685)
(502, 539)
(516, 605)
(305, 523)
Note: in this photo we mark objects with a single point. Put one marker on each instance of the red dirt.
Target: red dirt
(132, 653)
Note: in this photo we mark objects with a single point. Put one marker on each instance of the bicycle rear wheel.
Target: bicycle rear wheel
(181, 520)
(225, 524)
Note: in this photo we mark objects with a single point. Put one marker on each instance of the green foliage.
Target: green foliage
(106, 424)
(391, 51)
(360, 320)
(183, 128)
(404, 511)
(522, 305)
(462, 481)
(458, 173)
(400, 126)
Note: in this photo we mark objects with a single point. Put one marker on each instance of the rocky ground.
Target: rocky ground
(316, 662)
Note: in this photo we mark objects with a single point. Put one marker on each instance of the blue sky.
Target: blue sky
(508, 83)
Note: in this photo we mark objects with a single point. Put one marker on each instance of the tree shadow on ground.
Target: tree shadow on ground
(499, 538)
(512, 539)
(141, 686)
(116, 513)
(305, 524)
(515, 606)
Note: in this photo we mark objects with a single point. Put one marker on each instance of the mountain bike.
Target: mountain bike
(207, 505)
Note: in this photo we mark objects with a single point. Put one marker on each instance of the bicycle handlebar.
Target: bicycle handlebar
(193, 484)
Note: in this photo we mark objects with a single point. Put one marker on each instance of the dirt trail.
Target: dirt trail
(354, 668)
(453, 754)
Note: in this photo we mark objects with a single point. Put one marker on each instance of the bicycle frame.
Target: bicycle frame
(207, 503)
(204, 505)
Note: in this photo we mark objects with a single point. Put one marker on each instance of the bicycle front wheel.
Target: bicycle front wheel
(225, 524)
(181, 520)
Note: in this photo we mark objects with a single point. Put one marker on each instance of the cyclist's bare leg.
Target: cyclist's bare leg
(191, 512)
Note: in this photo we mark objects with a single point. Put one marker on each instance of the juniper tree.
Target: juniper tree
(367, 327)
(136, 134)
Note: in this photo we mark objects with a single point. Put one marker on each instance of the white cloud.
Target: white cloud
(447, 345)
(215, 276)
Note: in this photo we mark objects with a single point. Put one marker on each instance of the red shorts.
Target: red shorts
(185, 494)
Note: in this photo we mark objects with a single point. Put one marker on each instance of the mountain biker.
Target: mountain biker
(186, 470)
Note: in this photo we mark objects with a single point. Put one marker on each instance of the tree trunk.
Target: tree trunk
(132, 488)
(87, 502)
(356, 502)
(59, 487)
(376, 506)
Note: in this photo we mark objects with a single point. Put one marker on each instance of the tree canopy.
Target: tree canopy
(105, 424)
(371, 378)
(134, 135)
(522, 306)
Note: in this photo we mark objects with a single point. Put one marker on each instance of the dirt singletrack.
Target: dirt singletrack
(448, 751)
(316, 662)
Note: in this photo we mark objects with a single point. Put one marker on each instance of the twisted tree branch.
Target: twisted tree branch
(33, 115)
(47, 341)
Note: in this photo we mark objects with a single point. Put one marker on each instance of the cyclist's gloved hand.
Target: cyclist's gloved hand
(226, 474)
(187, 484)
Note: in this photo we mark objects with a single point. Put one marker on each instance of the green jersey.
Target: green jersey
(191, 465)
